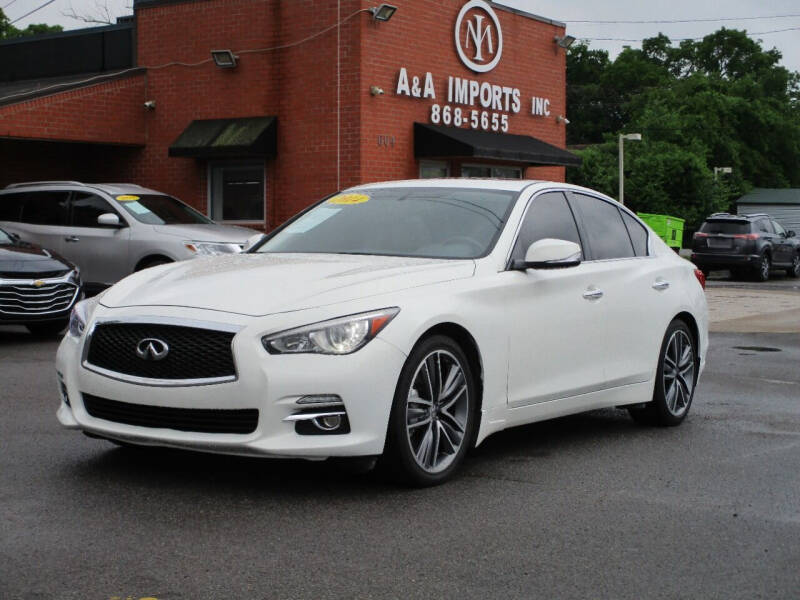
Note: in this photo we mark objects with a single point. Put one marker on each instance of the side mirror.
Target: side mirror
(108, 219)
(550, 254)
(790, 233)
(252, 241)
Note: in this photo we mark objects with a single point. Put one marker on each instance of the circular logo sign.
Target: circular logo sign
(152, 349)
(479, 39)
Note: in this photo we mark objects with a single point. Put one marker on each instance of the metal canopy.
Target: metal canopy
(219, 138)
(436, 141)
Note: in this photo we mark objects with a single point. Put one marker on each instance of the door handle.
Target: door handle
(661, 285)
(593, 294)
(72, 238)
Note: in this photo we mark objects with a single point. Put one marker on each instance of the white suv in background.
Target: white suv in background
(111, 230)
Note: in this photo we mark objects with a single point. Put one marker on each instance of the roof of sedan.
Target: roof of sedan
(109, 188)
(514, 185)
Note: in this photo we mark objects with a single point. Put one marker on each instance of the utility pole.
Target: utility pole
(634, 137)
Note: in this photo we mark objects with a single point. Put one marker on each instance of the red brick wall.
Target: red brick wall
(420, 37)
(111, 112)
(296, 84)
(319, 151)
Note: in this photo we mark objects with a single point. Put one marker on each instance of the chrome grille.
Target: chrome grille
(27, 299)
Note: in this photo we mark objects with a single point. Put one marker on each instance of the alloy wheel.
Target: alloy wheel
(764, 268)
(437, 409)
(795, 268)
(678, 379)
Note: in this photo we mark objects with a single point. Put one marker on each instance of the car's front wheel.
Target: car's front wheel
(675, 379)
(433, 417)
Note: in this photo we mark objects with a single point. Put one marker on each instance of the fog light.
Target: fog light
(328, 423)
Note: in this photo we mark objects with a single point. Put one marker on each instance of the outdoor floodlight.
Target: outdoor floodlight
(564, 42)
(383, 12)
(224, 59)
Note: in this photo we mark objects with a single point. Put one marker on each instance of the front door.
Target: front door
(100, 251)
(549, 357)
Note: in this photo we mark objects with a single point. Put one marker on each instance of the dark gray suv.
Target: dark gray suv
(747, 245)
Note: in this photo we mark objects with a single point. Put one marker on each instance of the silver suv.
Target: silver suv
(111, 230)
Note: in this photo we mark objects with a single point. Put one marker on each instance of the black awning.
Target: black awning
(220, 138)
(436, 141)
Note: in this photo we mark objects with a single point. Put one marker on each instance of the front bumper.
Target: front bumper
(365, 380)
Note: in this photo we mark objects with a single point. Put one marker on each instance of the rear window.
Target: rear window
(730, 227)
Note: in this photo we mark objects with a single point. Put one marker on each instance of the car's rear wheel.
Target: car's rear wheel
(794, 270)
(761, 272)
(675, 379)
(433, 417)
(47, 328)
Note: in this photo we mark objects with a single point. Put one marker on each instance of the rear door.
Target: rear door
(101, 251)
(783, 249)
(637, 294)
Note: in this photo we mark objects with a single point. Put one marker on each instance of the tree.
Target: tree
(719, 101)
(8, 31)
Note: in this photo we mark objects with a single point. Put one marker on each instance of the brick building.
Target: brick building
(323, 95)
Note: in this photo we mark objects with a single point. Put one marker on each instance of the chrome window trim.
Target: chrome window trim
(153, 320)
(566, 191)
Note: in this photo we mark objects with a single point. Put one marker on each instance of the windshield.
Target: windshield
(725, 227)
(158, 209)
(5, 239)
(426, 222)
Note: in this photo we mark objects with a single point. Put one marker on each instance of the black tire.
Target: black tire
(761, 269)
(794, 270)
(667, 409)
(47, 328)
(399, 457)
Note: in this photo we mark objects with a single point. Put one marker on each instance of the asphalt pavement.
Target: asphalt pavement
(590, 506)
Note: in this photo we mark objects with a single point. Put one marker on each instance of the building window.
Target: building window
(484, 171)
(430, 169)
(236, 191)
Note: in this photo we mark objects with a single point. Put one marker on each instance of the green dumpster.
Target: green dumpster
(668, 228)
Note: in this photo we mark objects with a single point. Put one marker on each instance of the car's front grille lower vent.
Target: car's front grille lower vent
(201, 420)
(165, 352)
(33, 300)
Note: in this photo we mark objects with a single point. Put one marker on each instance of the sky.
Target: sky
(569, 11)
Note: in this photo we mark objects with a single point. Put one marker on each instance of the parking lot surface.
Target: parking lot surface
(590, 506)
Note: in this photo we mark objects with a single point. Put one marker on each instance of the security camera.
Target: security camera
(562, 119)
(150, 105)
(375, 90)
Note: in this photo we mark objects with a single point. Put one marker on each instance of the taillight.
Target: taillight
(700, 277)
(700, 235)
(746, 236)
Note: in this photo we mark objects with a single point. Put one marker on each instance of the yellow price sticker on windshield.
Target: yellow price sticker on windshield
(349, 199)
(127, 198)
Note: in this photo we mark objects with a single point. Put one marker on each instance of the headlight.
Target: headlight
(80, 315)
(337, 336)
(75, 276)
(213, 248)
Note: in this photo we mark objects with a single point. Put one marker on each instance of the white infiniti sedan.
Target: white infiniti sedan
(407, 320)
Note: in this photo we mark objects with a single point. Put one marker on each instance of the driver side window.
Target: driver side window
(548, 216)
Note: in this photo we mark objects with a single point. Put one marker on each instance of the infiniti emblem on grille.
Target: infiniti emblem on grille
(152, 349)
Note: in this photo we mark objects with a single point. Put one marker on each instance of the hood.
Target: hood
(207, 233)
(27, 259)
(262, 284)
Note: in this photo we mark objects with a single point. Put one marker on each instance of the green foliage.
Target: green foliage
(720, 101)
(8, 31)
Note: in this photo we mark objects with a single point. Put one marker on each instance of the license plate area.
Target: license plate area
(720, 243)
